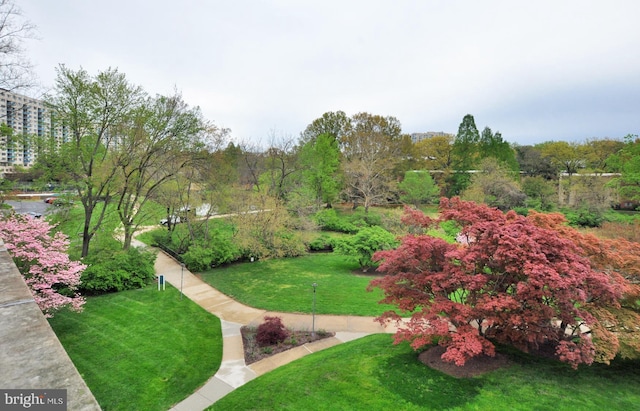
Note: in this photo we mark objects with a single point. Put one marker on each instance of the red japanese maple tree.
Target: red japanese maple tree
(506, 280)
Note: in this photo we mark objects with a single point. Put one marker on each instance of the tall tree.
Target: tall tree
(597, 151)
(320, 163)
(163, 137)
(566, 157)
(627, 161)
(492, 145)
(93, 108)
(335, 124)
(370, 151)
(281, 167)
(465, 155)
(15, 68)
(508, 280)
(465, 144)
(418, 187)
(532, 163)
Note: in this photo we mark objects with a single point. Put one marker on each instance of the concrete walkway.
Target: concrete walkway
(233, 371)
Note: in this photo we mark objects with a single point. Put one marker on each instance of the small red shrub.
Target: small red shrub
(271, 332)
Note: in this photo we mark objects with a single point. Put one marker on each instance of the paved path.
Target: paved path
(233, 371)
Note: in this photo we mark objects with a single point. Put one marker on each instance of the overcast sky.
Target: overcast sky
(533, 70)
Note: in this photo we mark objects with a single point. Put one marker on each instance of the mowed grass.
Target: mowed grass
(372, 374)
(286, 285)
(141, 349)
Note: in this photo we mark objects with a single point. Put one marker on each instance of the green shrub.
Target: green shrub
(110, 271)
(329, 220)
(584, 217)
(322, 243)
(220, 250)
(365, 243)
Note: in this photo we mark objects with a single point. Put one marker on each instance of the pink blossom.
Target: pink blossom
(42, 259)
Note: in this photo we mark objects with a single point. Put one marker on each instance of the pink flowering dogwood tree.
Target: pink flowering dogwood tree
(43, 261)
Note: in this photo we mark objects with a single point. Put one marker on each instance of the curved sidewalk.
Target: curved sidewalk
(233, 371)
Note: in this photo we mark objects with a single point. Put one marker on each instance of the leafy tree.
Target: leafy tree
(465, 144)
(362, 246)
(335, 124)
(494, 185)
(437, 152)
(465, 155)
(541, 193)
(162, 138)
(92, 108)
(264, 227)
(320, 163)
(616, 332)
(533, 164)
(492, 145)
(508, 281)
(281, 168)
(627, 161)
(15, 68)
(418, 188)
(597, 151)
(566, 157)
(43, 261)
(370, 152)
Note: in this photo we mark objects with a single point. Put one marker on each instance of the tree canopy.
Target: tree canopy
(521, 281)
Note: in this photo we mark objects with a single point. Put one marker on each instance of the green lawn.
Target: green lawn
(372, 374)
(285, 285)
(141, 349)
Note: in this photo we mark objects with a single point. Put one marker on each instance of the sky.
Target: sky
(534, 70)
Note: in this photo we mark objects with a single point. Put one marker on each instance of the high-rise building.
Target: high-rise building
(31, 126)
(416, 137)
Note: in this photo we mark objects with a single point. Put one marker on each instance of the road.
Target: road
(27, 206)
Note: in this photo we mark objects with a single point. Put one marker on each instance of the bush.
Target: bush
(584, 217)
(219, 251)
(110, 271)
(365, 243)
(329, 220)
(322, 243)
(271, 332)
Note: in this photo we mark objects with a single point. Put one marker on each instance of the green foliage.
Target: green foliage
(365, 243)
(329, 220)
(322, 243)
(141, 349)
(198, 258)
(584, 217)
(320, 160)
(541, 193)
(218, 249)
(109, 271)
(418, 187)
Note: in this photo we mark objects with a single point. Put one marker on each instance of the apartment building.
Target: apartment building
(416, 137)
(31, 124)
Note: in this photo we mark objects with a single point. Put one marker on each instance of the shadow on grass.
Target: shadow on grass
(425, 387)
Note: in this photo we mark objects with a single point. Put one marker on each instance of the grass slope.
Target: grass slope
(372, 374)
(141, 349)
(285, 285)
